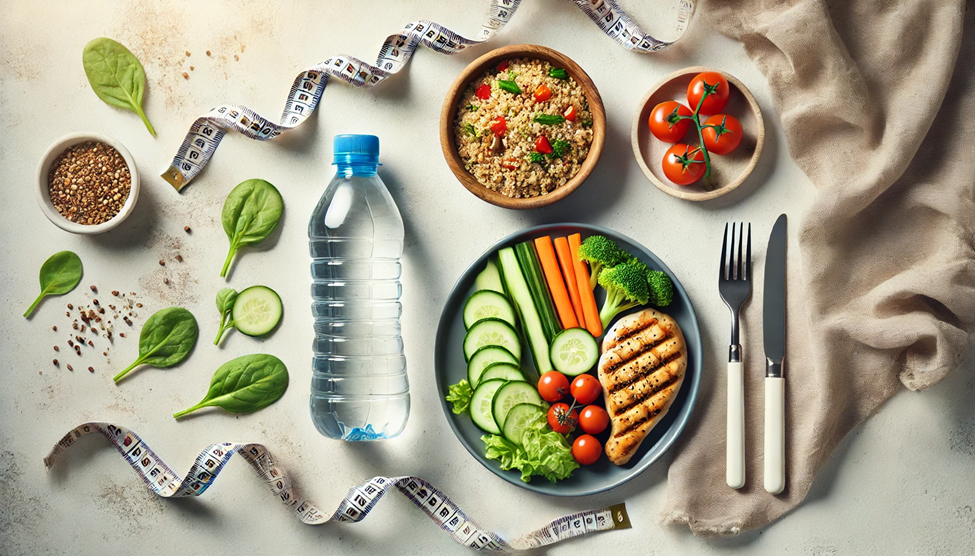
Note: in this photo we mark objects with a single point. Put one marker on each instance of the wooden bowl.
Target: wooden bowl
(728, 171)
(475, 70)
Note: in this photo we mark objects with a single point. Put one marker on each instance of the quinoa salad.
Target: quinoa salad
(523, 128)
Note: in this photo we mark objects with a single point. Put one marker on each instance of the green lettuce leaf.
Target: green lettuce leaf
(543, 452)
(460, 396)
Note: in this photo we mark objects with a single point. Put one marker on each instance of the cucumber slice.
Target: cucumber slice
(485, 357)
(517, 421)
(257, 310)
(482, 407)
(491, 332)
(485, 304)
(506, 371)
(574, 351)
(489, 278)
(512, 394)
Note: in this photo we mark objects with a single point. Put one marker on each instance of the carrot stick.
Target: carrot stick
(589, 309)
(568, 269)
(556, 285)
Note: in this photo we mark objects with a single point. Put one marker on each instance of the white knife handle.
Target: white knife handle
(736, 426)
(774, 434)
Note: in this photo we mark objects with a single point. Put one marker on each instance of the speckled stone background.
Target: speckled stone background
(901, 484)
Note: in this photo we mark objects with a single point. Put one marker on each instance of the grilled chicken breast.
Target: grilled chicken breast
(641, 369)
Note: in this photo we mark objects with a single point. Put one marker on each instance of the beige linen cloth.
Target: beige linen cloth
(881, 289)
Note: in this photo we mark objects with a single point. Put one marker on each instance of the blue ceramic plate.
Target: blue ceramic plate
(450, 367)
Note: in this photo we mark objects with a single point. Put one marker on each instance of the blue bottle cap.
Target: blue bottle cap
(356, 149)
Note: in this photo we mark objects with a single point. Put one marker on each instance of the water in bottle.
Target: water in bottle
(359, 386)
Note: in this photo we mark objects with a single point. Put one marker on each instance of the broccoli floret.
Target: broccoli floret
(661, 288)
(601, 252)
(626, 287)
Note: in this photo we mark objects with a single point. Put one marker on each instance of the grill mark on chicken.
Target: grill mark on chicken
(644, 373)
(646, 347)
(630, 332)
(641, 397)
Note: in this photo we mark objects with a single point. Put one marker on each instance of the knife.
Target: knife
(773, 313)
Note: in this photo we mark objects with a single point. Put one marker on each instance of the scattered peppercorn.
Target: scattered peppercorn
(55, 362)
(165, 280)
(179, 258)
(186, 229)
(54, 328)
(94, 289)
(186, 75)
(56, 348)
(91, 344)
(71, 343)
(208, 52)
(70, 306)
(127, 321)
(91, 369)
(139, 305)
(95, 301)
(191, 68)
(187, 53)
(70, 368)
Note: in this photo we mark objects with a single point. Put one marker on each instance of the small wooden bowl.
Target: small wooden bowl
(728, 171)
(475, 70)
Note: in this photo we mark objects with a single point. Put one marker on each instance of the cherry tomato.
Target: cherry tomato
(571, 113)
(503, 65)
(664, 124)
(683, 165)
(724, 137)
(542, 146)
(593, 419)
(717, 100)
(542, 93)
(585, 389)
(586, 450)
(483, 92)
(499, 125)
(561, 419)
(553, 386)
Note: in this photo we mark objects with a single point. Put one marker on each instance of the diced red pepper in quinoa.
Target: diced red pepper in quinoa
(484, 91)
(499, 125)
(542, 93)
(542, 146)
(510, 163)
(571, 113)
(503, 65)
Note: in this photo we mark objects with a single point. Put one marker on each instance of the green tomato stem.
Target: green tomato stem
(34, 304)
(125, 371)
(179, 414)
(700, 137)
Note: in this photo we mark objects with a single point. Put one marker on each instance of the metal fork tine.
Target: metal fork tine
(740, 275)
(723, 275)
(748, 254)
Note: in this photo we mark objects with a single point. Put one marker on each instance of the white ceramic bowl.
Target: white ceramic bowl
(44, 198)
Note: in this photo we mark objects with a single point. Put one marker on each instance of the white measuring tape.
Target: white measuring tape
(161, 479)
(306, 91)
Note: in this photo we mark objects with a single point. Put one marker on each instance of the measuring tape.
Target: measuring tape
(161, 479)
(306, 91)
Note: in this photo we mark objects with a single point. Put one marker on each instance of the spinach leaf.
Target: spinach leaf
(116, 76)
(245, 384)
(225, 304)
(166, 339)
(250, 214)
(59, 274)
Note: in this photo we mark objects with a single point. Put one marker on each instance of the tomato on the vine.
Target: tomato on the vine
(553, 386)
(593, 419)
(665, 121)
(585, 389)
(716, 100)
(683, 165)
(561, 419)
(722, 134)
(586, 450)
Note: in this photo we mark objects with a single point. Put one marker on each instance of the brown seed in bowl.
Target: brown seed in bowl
(89, 183)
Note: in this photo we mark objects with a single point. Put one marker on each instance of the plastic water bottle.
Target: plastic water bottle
(359, 387)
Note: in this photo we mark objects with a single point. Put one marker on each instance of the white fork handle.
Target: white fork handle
(736, 426)
(774, 434)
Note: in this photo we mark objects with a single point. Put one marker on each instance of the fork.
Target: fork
(735, 287)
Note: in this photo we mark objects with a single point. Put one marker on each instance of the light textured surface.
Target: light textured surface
(902, 483)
